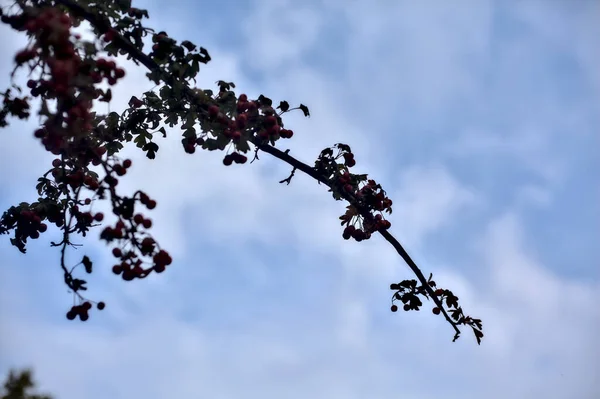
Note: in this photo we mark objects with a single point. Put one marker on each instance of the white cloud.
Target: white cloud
(278, 33)
(426, 199)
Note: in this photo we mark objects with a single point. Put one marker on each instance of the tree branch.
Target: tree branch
(103, 24)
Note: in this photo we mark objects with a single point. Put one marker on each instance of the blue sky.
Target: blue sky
(479, 118)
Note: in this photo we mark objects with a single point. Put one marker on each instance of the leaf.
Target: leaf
(87, 263)
(78, 284)
(190, 121)
(150, 149)
(284, 106)
(304, 109)
(224, 86)
(165, 92)
(206, 58)
(344, 147)
(242, 145)
(452, 301)
(415, 302)
(210, 144)
(188, 45)
(140, 141)
(190, 133)
(408, 284)
(478, 335)
(265, 101)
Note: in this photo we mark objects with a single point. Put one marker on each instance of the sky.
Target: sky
(480, 119)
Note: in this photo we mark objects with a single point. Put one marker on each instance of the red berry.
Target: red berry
(394, 308)
(128, 275)
(436, 310)
(117, 253)
(110, 35)
(239, 158)
(213, 111)
(101, 305)
(286, 133)
(270, 120)
(138, 219)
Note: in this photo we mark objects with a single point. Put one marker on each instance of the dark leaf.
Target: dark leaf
(265, 101)
(478, 335)
(188, 45)
(284, 106)
(87, 263)
(304, 109)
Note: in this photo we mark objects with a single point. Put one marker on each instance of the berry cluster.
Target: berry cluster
(77, 136)
(237, 121)
(27, 224)
(368, 200)
(82, 310)
(129, 240)
(407, 292)
(18, 107)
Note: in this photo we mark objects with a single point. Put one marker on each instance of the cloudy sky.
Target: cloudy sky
(480, 119)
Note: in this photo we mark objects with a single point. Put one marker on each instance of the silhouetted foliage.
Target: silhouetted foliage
(19, 384)
(65, 74)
